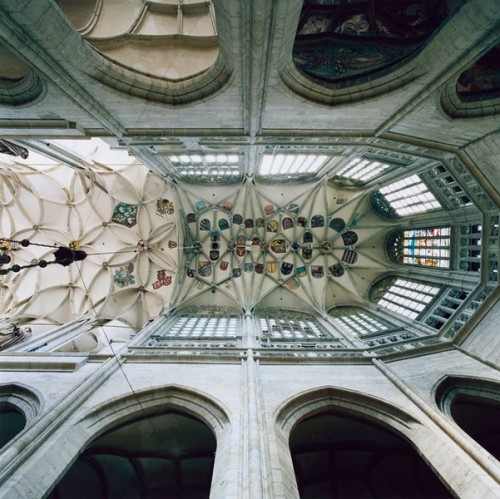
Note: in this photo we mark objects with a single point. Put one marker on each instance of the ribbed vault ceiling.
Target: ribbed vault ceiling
(309, 246)
(117, 212)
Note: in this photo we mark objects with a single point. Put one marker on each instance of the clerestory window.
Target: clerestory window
(207, 168)
(409, 196)
(428, 247)
(405, 297)
(290, 326)
(188, 326)
(359, 322)
(288, 166)
(363, 169)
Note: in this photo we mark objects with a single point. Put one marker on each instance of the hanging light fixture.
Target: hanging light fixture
(63, 255)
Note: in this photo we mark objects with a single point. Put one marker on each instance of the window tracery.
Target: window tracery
(291, 166)
(213, 168)
(359, 322)
(363, 169)
(404, 297)
(200, 323)
(427, 247)
(409, 196)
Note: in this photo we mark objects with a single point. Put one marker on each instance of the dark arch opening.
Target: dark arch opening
(474, 405)
(166, 455)
(337, 455)
(479, 418)
(12, 422)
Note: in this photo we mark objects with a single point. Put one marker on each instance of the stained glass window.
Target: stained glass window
(408, 298)
(409, 196)
(428, 247)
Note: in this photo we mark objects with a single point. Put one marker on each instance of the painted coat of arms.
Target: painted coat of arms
(125, 214)
(164, 207)
(123, 276)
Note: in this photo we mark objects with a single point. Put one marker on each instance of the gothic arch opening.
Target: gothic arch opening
(474, 405)
(164, 455)
(342, 443)
(339, 455)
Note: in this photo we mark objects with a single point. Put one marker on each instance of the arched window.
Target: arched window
(359, 322)
(199, 326)
(436, 188)
(409, 196)
(360, 170)
(403, 296)
(294, 329)
(287, 166)
(289, 325)
(166, 455)
(428, 247)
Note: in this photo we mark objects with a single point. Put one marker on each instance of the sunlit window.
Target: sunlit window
(210, 167)
(188, 326)
(428, 247)
(362, 169)
(290, 326)
(360, 323)
(291, 165)
(409, 196)
(408, 298)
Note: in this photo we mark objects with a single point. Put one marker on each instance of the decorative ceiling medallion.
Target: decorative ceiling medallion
(74, 245)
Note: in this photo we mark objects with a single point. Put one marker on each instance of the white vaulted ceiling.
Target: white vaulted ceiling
(107, 207)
